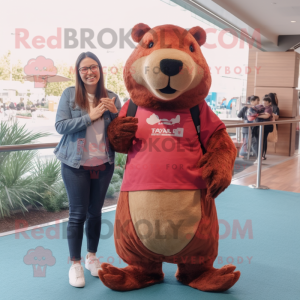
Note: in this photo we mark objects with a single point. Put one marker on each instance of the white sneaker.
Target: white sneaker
(76, 275)
(92, 264)
(262, 162)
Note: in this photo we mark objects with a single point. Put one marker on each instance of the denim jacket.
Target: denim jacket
(72, 122)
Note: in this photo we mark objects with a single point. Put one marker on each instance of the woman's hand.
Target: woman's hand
(96, 112)
(110, 104)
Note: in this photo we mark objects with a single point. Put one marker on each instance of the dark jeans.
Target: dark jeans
(244, 148)
(255, 135)
(86, 188)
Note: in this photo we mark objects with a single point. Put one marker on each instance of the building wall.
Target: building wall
(278, 73)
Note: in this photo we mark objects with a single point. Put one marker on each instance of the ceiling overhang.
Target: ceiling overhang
(225, 16)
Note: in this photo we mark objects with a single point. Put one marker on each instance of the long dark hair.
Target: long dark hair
(80, 92)
(272, 96)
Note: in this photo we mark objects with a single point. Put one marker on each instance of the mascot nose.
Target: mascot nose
(171, 67)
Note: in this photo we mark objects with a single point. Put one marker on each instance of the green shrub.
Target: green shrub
(110, 191)
(115, 178)
(56, 199)
(119, 171)
(120, 160)
(117, 185)
(25, 114)
(20, 184)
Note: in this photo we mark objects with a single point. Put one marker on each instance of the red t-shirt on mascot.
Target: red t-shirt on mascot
(166, 149)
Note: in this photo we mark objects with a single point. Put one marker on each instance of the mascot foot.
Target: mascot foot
(131, 277)
(209, 280)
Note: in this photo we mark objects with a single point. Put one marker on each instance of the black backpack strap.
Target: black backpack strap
(195, 112)
(131, 111)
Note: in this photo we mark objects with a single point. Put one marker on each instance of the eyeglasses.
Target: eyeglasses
(84, 70)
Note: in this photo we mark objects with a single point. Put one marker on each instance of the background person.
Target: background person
(275, 107)
(252, 100)
(263, 117)
(33, 112)
(83, 115)
(11, 106)
(4, 110)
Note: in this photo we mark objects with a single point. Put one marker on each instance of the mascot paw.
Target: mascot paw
(121, 131)
(126, 127)
(217, 163)
(216, 280)
(123, 127)
(127, 279)
(217, 178)
(217, 187)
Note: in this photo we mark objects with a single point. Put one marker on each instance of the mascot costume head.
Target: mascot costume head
(180, 158)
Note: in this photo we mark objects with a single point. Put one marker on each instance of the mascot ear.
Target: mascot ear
(138, 31)
(199, 34)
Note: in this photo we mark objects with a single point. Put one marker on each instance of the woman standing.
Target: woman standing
(264, 117)
(87, 159)
(275, 107)
(252, 100)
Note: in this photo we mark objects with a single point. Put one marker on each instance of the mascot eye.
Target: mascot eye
(192, 48)
(150, 45)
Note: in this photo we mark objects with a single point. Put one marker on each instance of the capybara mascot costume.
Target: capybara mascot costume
(166, 210)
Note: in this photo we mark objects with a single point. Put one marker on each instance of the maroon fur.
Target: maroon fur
(206, 278)
(218, 163)
(121, 132)
(131, 277)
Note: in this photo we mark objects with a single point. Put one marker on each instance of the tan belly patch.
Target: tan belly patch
(165, 220)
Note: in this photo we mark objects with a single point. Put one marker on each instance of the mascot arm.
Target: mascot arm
(218, 163)
(121, 132)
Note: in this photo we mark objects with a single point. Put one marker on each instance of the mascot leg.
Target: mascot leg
(195, 262)
(144, 267)
(206, 278)
(132, 277)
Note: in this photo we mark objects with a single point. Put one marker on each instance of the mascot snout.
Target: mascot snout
(167, 73)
